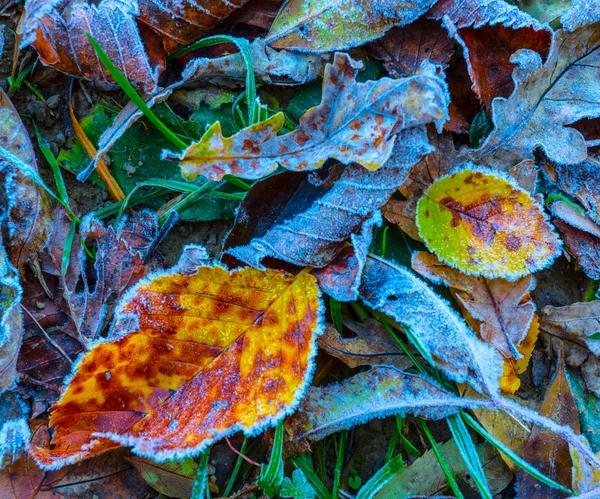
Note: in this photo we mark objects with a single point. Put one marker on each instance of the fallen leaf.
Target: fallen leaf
(312, 230)
(14, 432)
(424, 477)
(372, 345)
(547, 98)
(271, 66)
(436, 164)
(27, 208)
(355, 122)
(326, 25)
(586, 477)
(136, 35)
(546, 451)
(589, 412)
(444, 338)
(509, 381)
(485, 224)
(403, 50)
(499, 311)
(190, 359)
(579, 322)
(546, 11)
(171, 478)
(581, 13)
(380, 392)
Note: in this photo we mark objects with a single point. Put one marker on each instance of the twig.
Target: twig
(50, 340)
(245, 458)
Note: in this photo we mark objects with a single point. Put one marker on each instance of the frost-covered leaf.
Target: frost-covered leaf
(136, 34)
(544, 450)
(547, 98)
(501, 311)
(581, 236)
(581, 13)
(490, 31)
(326, 25)
(510, 382)
(280, 67)
(485, 224)
(546, 11)
(585, 476)
(578, 321)
(355, 122)
(380, 392)
(372, 345)
(190, 359)
(26, 207)
(589, 412)
(298, 487)
(312, 228)
(442, 335)
(14, 431)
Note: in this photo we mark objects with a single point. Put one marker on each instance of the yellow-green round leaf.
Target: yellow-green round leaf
(485, 225)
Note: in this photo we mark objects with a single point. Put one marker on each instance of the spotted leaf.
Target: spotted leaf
(190, 359)
(486, 225)
(355, 122)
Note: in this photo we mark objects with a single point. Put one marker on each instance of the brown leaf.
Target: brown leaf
(26, 206)
(372, 345)
(402, 50)
(546, 451)
(499, 311)
(136, 35)
(579, 322)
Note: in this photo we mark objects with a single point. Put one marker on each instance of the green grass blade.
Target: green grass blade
(201, 480)
(335, 307)
(380, 478)
(337, 475)
(515, 458)
(320, 489)
(66, 254)
(271, 475)
(442, 461)
(236, 469)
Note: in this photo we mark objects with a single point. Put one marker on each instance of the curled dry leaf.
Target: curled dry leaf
(485, 224)
(499, 311)
(355, 122)
(547, 98)
(192, 358)
(372, 345)
(313, 227)
(327, 25)
(380, 392)
(544, 449)
(444, 337)
(137, 35)
(579, 322)
(25, 207)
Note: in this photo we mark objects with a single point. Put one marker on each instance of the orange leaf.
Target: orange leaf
(509, 381)
(193, 358)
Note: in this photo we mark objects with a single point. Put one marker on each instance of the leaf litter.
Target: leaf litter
(348, 146)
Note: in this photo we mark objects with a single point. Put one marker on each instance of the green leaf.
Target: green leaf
(481, 127)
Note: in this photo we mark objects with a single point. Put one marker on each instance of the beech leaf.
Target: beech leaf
(190, 359)
(355, 122)
(485, 224)
(327, 25)
(443, 338)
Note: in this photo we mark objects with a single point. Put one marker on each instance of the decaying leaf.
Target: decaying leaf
(485, 224)
(200, 356)
(355, 122)
(14, 432)
(547, 98)
(372, 345)
(444, 337)
(510, 382)
(171, 478)
(545, 450)
(380, 392)
(23, 205)
(327, 25)
(579, 322)
(136, 34)
(500, 311)
(310, 229)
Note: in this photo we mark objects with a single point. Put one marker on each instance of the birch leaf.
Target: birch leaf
(355, 122)
(444, 338)
(547, 98)
(487, 225)
(326, 25)
(190, 359)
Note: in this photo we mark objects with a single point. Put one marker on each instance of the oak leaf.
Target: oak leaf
(499, 311)
(327, 25)
(137, 35)
(190, 359)
(485, 224)
(547, 98)
(355, 122)
(25, 208)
